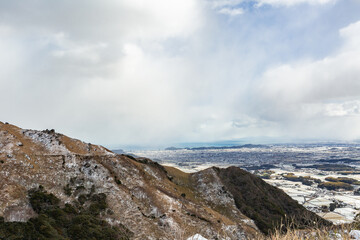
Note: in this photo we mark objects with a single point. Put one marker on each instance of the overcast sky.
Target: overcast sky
(161, 72)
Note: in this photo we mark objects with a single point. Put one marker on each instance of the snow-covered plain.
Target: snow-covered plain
(314, 198)
(282, 158)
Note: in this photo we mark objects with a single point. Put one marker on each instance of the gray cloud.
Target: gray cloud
(312, 90)
(157, 72)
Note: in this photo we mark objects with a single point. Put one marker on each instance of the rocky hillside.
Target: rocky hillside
(50, 181)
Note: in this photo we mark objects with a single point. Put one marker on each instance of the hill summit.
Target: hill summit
(54, 186)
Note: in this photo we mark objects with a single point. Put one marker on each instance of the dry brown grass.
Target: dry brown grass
(28, 147)
(183, 184)
(74, 145)
(335, 232)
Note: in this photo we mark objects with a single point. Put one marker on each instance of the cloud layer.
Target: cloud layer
(162, 72)
(324, 91)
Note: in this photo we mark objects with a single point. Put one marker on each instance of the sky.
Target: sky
(164, 72)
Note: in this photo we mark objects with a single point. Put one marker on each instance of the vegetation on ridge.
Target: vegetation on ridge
(68, 222)
(267, 205)
(336, 186)
(343, 179)
(306, 180)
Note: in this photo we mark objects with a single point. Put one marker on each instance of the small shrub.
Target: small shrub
(70, 209)
(82, 199)
(332, 207)
(80, 188)
(336, 186)
(41, 201)
(117, 180)
(343, 179)
(68, 190)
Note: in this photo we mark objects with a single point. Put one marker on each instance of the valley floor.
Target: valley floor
(315, 198)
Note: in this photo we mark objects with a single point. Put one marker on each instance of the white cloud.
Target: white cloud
(347, 108)
(311, 90)
(224, 3)
(227, 7)
(99, 67)
(155, 19)
(236, 7)
(231, 11)
(292, 2)
(332, 77)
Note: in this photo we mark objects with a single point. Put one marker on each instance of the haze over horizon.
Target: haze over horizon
(160, 72)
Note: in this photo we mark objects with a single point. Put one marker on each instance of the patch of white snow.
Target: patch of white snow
(197, 237)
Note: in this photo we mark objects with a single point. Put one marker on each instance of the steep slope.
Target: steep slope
(232, 190)
(145, 199)
(267, 205)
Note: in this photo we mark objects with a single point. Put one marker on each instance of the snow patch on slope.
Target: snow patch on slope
(197, 237)
(212, 189)
(49, 140)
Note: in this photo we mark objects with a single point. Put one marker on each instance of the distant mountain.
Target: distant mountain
(118, 151)
(230, 147)
(219, 147)
(339, 160)
(173, 148)
(56, 187)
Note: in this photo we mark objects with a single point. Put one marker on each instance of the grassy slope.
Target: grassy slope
(267, 205)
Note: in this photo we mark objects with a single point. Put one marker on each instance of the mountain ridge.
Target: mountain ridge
(150, 200)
